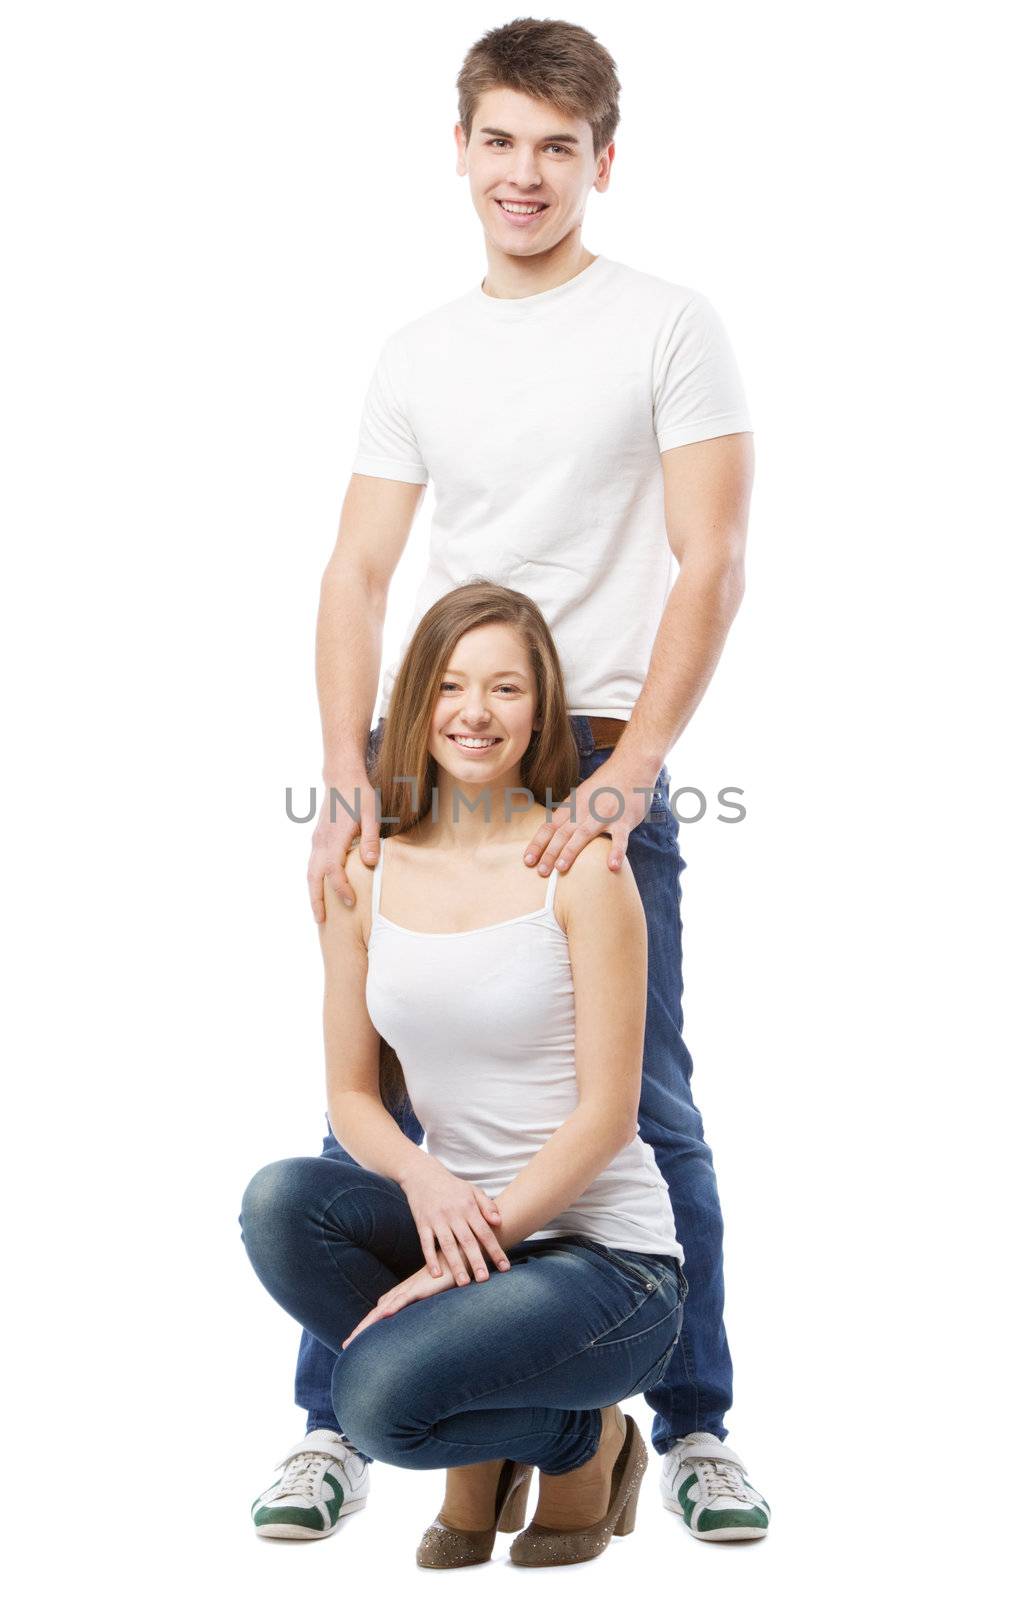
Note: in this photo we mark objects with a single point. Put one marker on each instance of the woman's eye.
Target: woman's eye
(513, 687)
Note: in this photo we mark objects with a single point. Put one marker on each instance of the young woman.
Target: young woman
(492, 1298)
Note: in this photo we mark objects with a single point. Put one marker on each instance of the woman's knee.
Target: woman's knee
(268, 1204)
(375, 1401)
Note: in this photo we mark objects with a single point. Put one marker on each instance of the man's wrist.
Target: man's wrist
(635, 769)
(342, 761)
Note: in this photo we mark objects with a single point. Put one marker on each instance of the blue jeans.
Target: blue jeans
(518, 1365)
(695, 1391)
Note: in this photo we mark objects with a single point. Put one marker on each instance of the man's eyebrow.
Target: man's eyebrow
(562, 138)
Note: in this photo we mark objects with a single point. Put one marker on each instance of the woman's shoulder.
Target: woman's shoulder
(591, 888)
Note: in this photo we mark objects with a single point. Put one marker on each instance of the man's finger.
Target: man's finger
(554, 847)
(316, 899)
(619, 848)
(339, 884)
(541, 838)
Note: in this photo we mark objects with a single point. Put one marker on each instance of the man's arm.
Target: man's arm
(707, 491)
(376, 519)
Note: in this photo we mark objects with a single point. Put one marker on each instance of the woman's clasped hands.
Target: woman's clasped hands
(453, 1218)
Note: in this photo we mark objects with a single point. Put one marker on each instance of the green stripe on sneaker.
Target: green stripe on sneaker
(688, 1506)
(334, 1506)
(301, 1516)
(752, 1518)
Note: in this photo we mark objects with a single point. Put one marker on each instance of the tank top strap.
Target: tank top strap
(377, 870)
(552, 884)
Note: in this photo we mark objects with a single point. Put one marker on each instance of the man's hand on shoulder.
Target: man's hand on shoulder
(332, 840)
(557, 843)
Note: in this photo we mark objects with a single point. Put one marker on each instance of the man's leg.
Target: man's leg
(696, 1390)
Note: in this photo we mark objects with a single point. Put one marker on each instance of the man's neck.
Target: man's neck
(514, 277)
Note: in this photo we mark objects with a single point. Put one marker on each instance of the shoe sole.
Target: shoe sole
(712, 1535)
(295, 1530)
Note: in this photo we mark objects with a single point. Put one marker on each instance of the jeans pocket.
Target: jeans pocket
(645, 1273)
(660, 799)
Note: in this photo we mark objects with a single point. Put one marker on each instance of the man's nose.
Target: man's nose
(524, 172)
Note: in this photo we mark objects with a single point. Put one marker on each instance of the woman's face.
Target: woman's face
(488, 694)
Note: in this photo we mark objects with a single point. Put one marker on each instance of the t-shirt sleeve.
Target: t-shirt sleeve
(698, 392)
(387, 445)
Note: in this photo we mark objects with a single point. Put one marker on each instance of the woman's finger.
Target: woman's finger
(359, 1326)
(429, 1252)
(489, 1241)
(472, 1252)
(488, 1207)
(452, 1255)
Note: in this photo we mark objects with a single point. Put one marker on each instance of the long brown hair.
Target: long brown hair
(549, 769)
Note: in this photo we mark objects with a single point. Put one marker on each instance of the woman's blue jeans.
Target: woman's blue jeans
(695, 1392)
(518, 1365)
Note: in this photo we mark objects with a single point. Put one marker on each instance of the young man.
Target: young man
(582, 423)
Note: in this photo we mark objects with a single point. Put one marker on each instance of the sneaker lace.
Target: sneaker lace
(721, 1478)
(300, 1475)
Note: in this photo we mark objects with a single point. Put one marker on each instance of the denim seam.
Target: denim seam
(616, 1344)
(541, 1372)
(347, 1188)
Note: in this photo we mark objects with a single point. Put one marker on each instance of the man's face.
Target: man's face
(526, 152)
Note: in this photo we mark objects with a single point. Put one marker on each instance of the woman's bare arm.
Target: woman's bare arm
(358, 1116)
(606, 927)
(454, 1219)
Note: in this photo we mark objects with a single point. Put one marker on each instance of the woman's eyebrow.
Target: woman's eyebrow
(505, 672)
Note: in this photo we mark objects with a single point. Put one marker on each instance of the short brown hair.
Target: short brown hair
(553, 61)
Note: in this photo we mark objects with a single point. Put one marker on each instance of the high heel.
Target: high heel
(540, 1546)
(445, 1546)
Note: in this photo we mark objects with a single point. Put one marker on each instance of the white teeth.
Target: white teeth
(473, 744)
(519, 210)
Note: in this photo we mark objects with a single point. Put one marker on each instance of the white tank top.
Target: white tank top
(483, 1023)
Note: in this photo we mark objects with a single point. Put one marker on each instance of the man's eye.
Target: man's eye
(563, 148)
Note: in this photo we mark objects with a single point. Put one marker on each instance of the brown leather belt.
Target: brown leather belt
(606, 731)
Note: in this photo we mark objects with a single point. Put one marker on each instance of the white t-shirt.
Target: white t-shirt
(540, 421)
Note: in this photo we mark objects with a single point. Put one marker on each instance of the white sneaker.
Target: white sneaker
(704, 1482)
(323, 1480)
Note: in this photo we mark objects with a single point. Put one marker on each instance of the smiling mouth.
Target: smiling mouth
(464, 742)
(525, 208)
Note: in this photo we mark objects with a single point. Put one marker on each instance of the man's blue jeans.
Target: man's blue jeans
(516, 1366)
(696, 1390)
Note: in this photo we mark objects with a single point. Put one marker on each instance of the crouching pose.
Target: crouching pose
(492, 1298)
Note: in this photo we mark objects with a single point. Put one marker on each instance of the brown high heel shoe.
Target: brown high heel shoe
(540, 1546)
(445, 1546)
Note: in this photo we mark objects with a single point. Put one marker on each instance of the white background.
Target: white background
(216, 213)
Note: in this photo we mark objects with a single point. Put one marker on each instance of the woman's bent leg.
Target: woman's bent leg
(327, 1239)
(518, 1366)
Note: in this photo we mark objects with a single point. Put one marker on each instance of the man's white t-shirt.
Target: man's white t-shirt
(541, 421)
